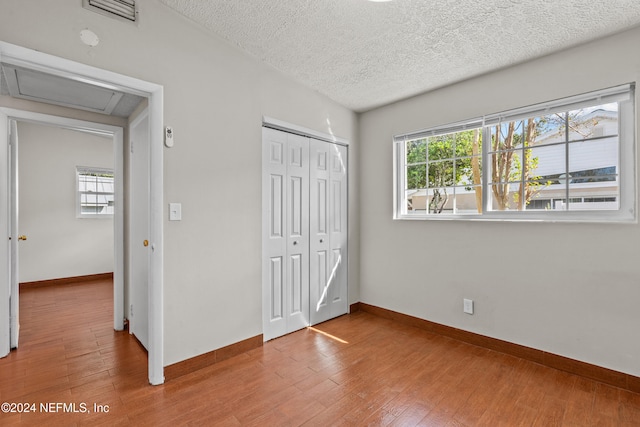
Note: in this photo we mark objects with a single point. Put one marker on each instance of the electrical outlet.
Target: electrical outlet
(467, 306)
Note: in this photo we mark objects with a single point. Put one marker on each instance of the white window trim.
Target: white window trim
(627, 211)
(84, 169)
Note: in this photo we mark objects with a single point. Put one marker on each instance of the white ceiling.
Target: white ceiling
(364, 54)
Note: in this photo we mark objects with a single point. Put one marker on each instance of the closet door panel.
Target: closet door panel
(274, 239)
(339, 228)
(297, 291)
(328, 230)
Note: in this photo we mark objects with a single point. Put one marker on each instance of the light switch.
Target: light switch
(175, 211)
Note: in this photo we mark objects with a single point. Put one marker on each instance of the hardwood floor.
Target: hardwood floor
(355, 370)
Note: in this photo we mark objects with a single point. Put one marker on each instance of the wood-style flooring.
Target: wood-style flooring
(355, 370)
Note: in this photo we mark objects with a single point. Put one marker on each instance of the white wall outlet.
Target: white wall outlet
(467, 306)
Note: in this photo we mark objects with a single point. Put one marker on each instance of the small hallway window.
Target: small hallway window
(95, 192)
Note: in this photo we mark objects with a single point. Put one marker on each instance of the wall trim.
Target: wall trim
(67, 280)
(583, 369)
(193, 364)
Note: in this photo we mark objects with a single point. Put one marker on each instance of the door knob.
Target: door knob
(145, 243)
(22, 237)
(321, 240)
(295, 242)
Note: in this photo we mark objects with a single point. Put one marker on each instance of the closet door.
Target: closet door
(285, 242)
(328, 222)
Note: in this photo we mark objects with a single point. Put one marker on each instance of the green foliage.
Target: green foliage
(448, 162)
(416, 152)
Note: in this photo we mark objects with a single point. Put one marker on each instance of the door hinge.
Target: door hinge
(131, 310)
(131, 145)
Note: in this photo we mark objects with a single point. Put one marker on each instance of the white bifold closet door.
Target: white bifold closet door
(285, 268)
(328, 225)
(304, 199)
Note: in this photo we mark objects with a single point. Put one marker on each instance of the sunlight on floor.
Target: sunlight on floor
(311, 328)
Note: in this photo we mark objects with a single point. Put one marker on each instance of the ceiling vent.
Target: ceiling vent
(120, 9)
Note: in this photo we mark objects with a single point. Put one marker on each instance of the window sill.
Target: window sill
(617, 217)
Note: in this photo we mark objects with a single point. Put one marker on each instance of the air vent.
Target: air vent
(120, 9)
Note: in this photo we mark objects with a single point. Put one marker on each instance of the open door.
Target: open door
(5, 234)
(140, 233)
(9, 225)
(14, 293)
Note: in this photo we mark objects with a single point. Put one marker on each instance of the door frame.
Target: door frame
(31, 59)
(117, 135)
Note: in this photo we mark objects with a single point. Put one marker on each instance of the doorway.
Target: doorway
(70, 70)
(9, 152)
(64, 206)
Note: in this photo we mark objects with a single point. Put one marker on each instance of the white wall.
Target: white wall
(215, 97)
(569, 289)
(58, 244)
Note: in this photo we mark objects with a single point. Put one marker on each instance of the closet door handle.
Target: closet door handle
(295, 242)
(321, 240)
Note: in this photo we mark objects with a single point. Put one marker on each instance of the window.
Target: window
(95, 187)
(442, 173)
(570, 159)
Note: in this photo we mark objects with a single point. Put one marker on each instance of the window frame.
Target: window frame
(84, 170)
(624, 95)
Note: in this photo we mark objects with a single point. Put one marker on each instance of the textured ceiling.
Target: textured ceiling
(364, 54)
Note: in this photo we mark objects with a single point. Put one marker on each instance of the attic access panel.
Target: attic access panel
(41, 87)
